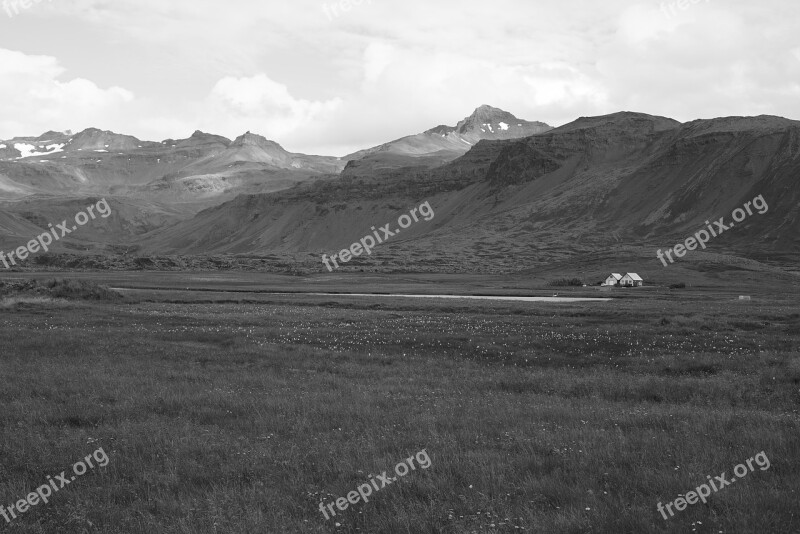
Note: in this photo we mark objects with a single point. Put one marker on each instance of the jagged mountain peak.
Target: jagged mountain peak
(489, 121)
(200, 138)
(484, 115)
(251, 139)
(96, 131)
(94, 138)
(489, 113)
(444, 143)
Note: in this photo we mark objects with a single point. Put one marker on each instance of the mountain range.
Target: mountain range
(508, 194)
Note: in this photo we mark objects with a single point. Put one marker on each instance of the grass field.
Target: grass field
(240, 413)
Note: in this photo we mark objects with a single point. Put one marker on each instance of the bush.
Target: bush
(45, 259)
(58, 288)
(143, 262)
(79, 289)
(677, 286)
(565, 282)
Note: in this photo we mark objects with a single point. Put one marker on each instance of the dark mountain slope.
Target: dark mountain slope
(623, 178)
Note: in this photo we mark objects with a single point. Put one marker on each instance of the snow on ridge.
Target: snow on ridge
(503, 126)
(27, 151)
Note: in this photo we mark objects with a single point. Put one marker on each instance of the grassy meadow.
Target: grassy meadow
(238, 413)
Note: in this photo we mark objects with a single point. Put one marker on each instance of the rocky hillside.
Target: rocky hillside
(627, 178)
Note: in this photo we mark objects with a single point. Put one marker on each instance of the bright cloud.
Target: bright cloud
(379, 71)
(33, 99)
(262, 105)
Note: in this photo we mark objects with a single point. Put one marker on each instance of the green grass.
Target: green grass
(233, 417)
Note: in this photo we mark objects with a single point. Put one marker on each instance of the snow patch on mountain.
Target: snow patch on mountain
(26, 150)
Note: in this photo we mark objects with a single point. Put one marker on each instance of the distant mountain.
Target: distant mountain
(595, 184)
(206, 169)
(51, 143)
(442, 143)
(155, 184)
(255, 148)
(203, 169)
(548, 198)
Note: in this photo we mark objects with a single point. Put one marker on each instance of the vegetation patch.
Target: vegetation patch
(566, 282)
(56, 289)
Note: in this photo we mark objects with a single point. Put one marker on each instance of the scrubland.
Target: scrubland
(229, 413)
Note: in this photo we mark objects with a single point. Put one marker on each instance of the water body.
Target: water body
(471, 297)
(370, 295)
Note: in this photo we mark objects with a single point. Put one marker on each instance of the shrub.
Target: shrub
(79, 289)
(564, 282)
(58, 288)
(677, 286)
(143, 262)
(45, 259)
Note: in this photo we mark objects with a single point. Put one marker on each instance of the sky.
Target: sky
(325, 77)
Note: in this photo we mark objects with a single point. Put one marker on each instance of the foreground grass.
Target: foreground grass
(537, 418)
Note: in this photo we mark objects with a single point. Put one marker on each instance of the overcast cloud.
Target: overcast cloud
(337, 82)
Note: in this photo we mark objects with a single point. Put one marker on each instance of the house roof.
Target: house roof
(634, 276)
(616, 275)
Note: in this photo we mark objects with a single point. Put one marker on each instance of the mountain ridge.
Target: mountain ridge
(596, 182)
(603, 184)
(442, 143)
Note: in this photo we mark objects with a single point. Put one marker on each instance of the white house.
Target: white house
(613, 279)
(631, 280)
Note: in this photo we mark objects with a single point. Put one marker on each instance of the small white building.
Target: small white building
(631, 280)
(613, 279)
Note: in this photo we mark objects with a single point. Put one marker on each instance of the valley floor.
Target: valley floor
(240, 412)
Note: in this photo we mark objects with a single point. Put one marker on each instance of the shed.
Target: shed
(631, 280)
